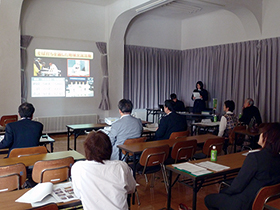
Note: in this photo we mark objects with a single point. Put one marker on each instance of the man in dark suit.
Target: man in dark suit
(178, 106)
(170, 123)
(249, 112)
(23, 133)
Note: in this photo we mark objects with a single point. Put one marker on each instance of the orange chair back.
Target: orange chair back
(183, 150)
(12, 177)
(218, 142)
(5, 119)
(175, 135)
(232, 133)
(264, 195)
(54, 171)
(19, 152)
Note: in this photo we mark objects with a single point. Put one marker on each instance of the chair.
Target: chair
(5, 119)
(175, 135)
(152, 160)
(12, 177)
(128, 156)
(52, 170)
(206, 150)
(264, 195)
(19, 152)
(183, 150)
(50, 206)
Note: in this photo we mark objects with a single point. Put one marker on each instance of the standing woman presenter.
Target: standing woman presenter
(199, 96)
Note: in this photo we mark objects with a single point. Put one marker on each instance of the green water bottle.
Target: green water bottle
(214, 154)
(215, 118)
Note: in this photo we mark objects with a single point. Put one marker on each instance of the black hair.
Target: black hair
(173, 96)
(200, 83)
(230, 105)
(26, 110)
(125, 105)
(169, 104)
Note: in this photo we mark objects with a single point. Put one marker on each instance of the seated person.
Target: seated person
(23, 133)
(259, 169)
(99, 182)
(126, 127)
(250, 111)
(170, 123)
(178, 105)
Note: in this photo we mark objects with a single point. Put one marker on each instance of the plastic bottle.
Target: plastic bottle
(240, 115)
(215, 118)
(214, 154)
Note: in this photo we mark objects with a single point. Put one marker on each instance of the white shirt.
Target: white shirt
(102, 186)
(223, 124)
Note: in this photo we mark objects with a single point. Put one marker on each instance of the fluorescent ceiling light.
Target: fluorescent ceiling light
(150, 6)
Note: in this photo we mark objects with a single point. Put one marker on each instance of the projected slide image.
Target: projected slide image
(45, 69)
(47, 87)
(79, 87)
(78, 68)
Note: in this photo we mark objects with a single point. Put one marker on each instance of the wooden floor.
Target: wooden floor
(151, 198)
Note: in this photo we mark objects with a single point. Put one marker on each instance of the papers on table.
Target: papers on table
(44, 193)
(196, 95)
(150, 129)
(201, 168)
(1, 137)
(106, 129)
(111, 120)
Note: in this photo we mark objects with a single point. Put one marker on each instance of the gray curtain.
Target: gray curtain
(232, 71)
(104, 104)
(150, 75)
(24, 43)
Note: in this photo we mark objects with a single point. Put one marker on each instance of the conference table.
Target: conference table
(234, 161)
(138, 148)
(7, 201)
(205, 125)
(31, 159)
(79, 129)
(244, 132)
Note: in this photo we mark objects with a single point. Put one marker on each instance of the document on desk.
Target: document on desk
(1, 137)
(212, 166)
(46, 192)
(192, 169)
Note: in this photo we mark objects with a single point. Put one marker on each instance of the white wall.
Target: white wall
(9, 56)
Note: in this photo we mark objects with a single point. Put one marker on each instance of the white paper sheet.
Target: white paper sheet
(193, 169)
(212, 166)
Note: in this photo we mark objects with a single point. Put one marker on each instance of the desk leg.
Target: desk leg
(195, 190)
(68, 138)
(169, 191)
(51, 146)
(120, 154)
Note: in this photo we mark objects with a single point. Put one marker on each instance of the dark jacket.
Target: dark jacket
(170, 123)
(200, 104)
(249, 113)
(23, 133)
(179, 106)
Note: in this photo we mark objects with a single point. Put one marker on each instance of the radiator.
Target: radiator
(57, 124)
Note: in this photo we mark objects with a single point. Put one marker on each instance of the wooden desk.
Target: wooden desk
(206, 126)
(234, 161)
(79, 129)
(191, 116)
(30, 160)
(7, 201)
(244, 132)
(137, 148)
(273, 205)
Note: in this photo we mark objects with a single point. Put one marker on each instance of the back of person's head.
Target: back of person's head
(271, 136)
(26, 110)
(125, 106)
(173, 96)
(250, 101)
(169, 104)
(98, 147)
(200, 83)
(230, 105)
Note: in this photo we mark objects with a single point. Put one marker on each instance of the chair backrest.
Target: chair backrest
(19, 152)
(154, 156)
(12, 177)
(5, 119)
(175, 135)
(50, 206)
(264, 195)
(218, 142)
(183, 150)
(52, 170)
(132, 141)
(232, 133)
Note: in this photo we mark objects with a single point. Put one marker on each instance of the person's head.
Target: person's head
(173, 97)
(168, 106)
(270, 137)
(248, 102)
(26, 110)
(125, 106)
(229, 105)
(98, 147)
(199, 85)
